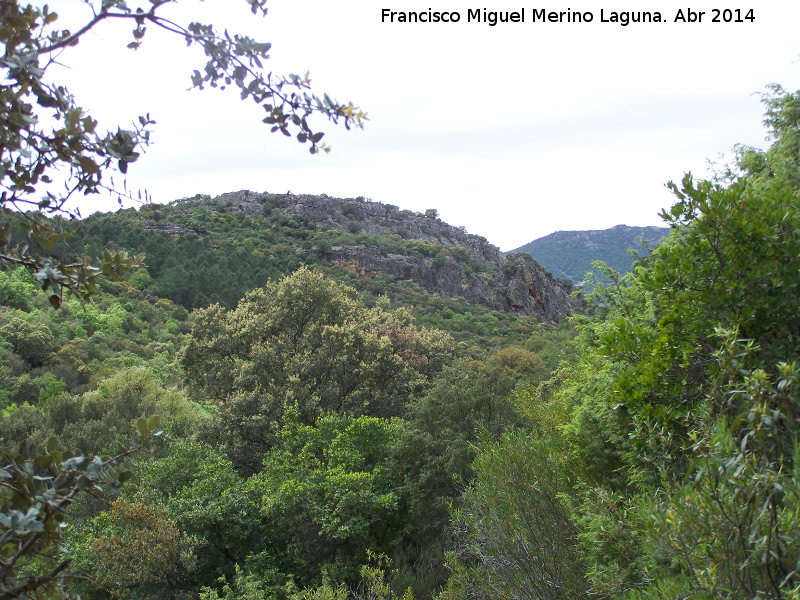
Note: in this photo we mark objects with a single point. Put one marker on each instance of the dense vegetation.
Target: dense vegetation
(320, 442)
(304, 428)
(203, 251)
(572, 254)
(660, 463)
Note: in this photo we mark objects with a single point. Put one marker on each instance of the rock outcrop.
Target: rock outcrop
(518, 285)
(512, 283)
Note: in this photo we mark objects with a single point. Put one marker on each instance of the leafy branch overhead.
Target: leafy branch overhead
(43, 129)
(36, 487)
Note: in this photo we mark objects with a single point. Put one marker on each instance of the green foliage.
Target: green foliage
(39, 483)
(208, 501)
(729, 528)
(780, 161)
(54, 387)
(138, 552)
(32, 341)
(324, 592)
(734, 525)
(308, 343)
(249, 586)
(725, 227)
(16, 290)
(436, 441)
(305, 381)
(514, 532)
(509, 269)
(520, 362)
(80, 344)
(571, 254)
(97, 420)
(373, 584)
(732, 262)
(222, 253)
(665, 450)
(702, 496)
(554, 345)
(327, 484)
(646, 452)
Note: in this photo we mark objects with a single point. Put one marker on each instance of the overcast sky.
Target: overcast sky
(513, 131)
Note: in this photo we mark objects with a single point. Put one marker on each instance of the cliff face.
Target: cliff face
(376, 219)
(518, 285)
(480, 273)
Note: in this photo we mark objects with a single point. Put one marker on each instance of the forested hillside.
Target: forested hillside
(571, 254)
(201, 251)
(307, 398)
(301, 429)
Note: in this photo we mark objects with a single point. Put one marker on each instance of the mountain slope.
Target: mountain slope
(569, 254)
(206, 250)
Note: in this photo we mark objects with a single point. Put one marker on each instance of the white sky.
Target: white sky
(513, 131)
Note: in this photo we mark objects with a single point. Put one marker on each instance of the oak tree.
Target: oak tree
(308, 343)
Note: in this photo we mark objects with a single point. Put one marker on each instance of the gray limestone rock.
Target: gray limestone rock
(512, 283)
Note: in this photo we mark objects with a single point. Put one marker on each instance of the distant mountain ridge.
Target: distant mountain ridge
(569, 254)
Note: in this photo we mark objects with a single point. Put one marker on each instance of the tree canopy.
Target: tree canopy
(321, 444)
(664, 455)
(305, 343)
(49, 140)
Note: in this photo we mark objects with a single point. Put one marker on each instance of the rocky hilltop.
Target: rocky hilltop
(443, 260)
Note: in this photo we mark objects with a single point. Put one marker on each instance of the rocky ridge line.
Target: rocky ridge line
(511, 283)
